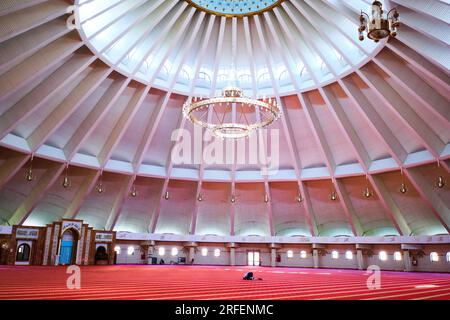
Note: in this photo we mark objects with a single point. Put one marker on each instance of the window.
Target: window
(204, 76)
(130, 251)
(217, 253)
(303, 254)
(434, 257)
(382, 256)
(448, 256)
(174, 251)
(397, 256)
(290, 254)
(184, 74)
(265, 77)
(222, 77)
(23, 252)
(335, 254)
(245, 78)
(117, 249)
(349, 255)
(161, 251)
(204, 252)
(283, 76)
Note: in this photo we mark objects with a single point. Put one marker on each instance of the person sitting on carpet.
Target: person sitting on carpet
(249, 276)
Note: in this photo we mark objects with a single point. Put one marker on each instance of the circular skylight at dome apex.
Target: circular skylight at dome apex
(235, 7)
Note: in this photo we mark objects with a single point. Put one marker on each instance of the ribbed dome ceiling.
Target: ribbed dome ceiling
(173, 46)
(355, 114)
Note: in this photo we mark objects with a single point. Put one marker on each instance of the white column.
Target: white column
(191, 255)
(360, 259)
(232, 256)
(150, 251)
(316, 258)
(407, 260)
(273, 257)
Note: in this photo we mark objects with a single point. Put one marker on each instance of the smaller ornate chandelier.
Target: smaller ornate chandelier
(367, 193)
(377, 26)
(66, 182)
(440, 183)
(134, 193)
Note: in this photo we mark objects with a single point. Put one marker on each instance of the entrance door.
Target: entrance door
(65, 256)
(67, 248)
(253, 258)
(23, 254)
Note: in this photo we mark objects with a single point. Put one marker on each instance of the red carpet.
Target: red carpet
(193, 283)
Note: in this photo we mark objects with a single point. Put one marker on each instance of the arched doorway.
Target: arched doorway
(67, 250)
(23, 253)
(101, 255)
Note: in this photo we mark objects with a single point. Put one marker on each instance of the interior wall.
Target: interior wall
(370, 258)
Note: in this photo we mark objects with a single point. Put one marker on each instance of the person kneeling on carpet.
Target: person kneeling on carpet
(249, 276)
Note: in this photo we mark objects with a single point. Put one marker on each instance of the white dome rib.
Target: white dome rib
(355, 113)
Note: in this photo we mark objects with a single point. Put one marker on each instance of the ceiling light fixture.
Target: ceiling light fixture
(377, 26)
(231, 112)
(403, 188)
(134, 193)
(30, 176)
(66, 182)
(333, 194)
(367, 193)
(440, 183)
(100, 188)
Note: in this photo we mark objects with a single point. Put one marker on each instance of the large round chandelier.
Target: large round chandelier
(232, 115)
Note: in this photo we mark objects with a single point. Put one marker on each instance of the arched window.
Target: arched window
(284, 75)
(184, 74)
(23, 252)
(245, 78)
(397, 256)
(303, 254)
(265, 77)
(217, 253)
(161, 251)
(204, 252)
(349, 255)
(130, 251)
(303, 71)
(434, 257)
(335, 254)
(174, 251)
(382, 256)
(222, 77)
(204, 76)
(290, 254)
(448, 256)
